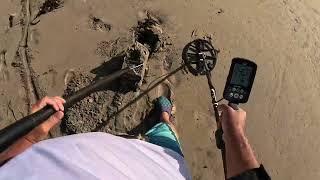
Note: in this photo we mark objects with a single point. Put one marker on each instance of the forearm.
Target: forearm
(239, 155)
(15, 149)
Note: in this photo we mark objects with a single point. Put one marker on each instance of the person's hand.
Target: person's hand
(232, 121)
(42, 130)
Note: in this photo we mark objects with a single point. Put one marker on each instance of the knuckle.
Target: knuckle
(43, 129)
(46, 98)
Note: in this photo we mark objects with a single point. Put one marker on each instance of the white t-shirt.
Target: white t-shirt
(95, 156)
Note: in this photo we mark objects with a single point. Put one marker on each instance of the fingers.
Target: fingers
(227, 108)
(59, 101)
(42, 130)
(56, 103)
(52, 102)
(43, 102)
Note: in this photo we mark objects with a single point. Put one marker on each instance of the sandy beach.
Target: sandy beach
(54, 47)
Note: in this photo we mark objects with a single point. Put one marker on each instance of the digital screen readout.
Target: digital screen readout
(241, 75)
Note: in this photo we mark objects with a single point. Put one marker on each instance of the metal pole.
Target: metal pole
(219, 132)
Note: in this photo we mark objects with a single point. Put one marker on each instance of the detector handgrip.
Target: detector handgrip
(219, 140)
(234, 106)
(221, 145)
(219, 131)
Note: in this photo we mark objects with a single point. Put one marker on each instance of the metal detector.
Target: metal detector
(200, 58)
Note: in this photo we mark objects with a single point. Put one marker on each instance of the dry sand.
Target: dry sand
(282, 37)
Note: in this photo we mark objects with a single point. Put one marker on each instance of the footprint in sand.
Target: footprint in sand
(35, 36)
(4, 73)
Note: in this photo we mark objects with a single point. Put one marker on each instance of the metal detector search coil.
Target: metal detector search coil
(200, 57)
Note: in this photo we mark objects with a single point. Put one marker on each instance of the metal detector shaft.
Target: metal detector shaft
(200, 58)
(219, 132)
(22, 127)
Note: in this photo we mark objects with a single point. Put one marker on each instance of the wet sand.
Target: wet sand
(282, 37)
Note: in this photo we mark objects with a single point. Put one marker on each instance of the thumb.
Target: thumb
(223, 107)
(58, 115)
(53, 120)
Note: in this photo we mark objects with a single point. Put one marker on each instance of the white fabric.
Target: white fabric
(95, 156)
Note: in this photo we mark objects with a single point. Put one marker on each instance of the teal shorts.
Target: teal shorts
(162, 135)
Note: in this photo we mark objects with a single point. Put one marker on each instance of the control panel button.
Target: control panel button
(234, 89)
(231, 95)
(241, 96)
(241, 91)
(236, 95)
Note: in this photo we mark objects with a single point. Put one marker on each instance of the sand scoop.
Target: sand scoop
(22, 127)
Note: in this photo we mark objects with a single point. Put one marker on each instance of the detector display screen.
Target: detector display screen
(240, 80)
(241, 75)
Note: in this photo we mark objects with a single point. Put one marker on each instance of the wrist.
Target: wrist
(234, 136)
(15, 149)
